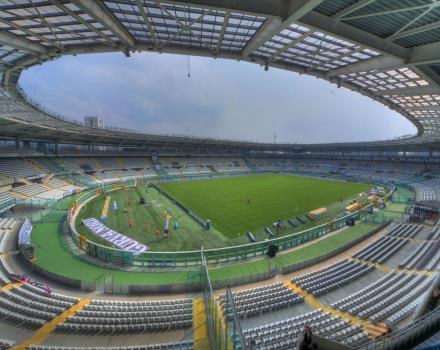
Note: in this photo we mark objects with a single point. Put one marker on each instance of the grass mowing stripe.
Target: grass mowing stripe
(239, 204)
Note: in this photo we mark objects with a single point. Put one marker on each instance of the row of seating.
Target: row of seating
(19, 169)
(182, 345)
(142, 326)
(405, 230)
(412, 261)
(434, 234)
(342, 273)
(434, 263)
(3, 236)
(30, 190)
(7, 223)
(255, 301)
(7, 199)
(381, 250)
(55, 194)
(108, 304)
(6, 344)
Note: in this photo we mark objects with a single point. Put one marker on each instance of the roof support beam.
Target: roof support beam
(414, 20)
(425, 54)
(101, 14)
(419, 55)
(264, 8)
(147, 21)
(417, 30)
(423, 108)
(22, 44)
(411, 91)
(388, 12)
(347, 32)
(222, 33)
(353, 8)
(83, 22)
(295, 10)
(378, 63)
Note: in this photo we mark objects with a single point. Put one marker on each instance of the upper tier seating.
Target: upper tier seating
(30, 190)
(6, 196)
(51, 194)
(18, 169)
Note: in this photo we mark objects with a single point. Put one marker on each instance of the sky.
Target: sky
(152, 93)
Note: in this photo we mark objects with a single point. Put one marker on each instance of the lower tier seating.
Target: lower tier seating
(322, 281)
(105, 317)
(183, 345)
(383, 298)
(284, 334)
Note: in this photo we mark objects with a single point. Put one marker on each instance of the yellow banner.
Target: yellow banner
(105, 209)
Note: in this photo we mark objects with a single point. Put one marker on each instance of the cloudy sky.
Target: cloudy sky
(227, 99)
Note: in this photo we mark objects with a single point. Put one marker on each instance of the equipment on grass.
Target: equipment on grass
(142, 201)
(272, 250)
(251, 236)
(353, 207)
(300, 220)
(292, 223)
(317, 212)
(268, 231)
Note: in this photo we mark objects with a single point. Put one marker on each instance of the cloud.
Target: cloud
(226, 99)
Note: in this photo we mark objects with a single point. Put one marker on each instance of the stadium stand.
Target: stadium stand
(183, 345)
(386, 298)
(19, 169)
(105, 317)
(285, 334)
(430, 343)
(30, 190)
(322, 281)
(387, 50)
(263, 299)
(5, 344)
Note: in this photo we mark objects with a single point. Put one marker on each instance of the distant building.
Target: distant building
(94, 122)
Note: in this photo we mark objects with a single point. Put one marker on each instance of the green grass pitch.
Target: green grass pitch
(239, 204)
(225, 202)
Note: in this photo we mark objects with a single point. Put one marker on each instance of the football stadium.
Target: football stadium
(118, 239)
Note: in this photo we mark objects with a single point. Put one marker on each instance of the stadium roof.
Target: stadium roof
(388, 50)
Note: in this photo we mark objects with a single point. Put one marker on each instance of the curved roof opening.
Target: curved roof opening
(221, 98)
